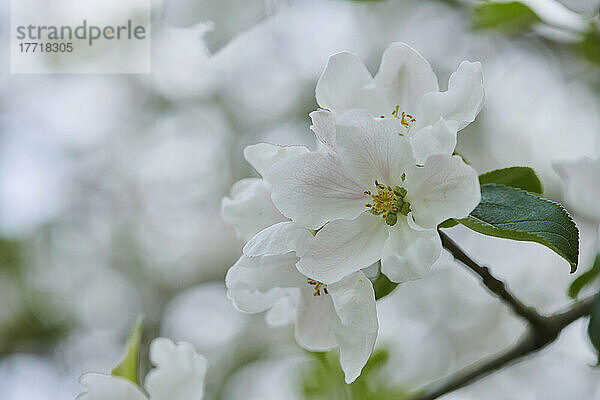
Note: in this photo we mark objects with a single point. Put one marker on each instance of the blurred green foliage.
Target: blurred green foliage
(594, 326)
(383, 286)
(30, 319)
(324, 380)
(589, 47)
(510, 18)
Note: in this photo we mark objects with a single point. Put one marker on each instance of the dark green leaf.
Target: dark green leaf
(584, 279)
(517, 177)
(594, 326)
(383, 286)
(511, 213)
(128, 367)
(510, 18)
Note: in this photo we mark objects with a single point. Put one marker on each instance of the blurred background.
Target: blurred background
(110, 190)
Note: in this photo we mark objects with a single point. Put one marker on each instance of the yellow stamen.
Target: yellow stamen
(318, 286)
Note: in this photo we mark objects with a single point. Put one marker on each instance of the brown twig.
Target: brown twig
(541, 331)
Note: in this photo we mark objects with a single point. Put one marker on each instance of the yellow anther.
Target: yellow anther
(405, 119)
(318, 286)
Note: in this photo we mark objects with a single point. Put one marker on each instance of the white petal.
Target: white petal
(317, 322)
(343, 247)
(581, 186)
(405, 76)
(103, 387)
(355, 350)
(354, 301)
(313, 189)
(371, 148)
(284, 311)
(460, 104)
(280, 238)
(408, 253)
(179, 372)
(433, 139)
(323, 125)
(255, 284)
(263, 155)
(346, 84)
(444, 188)
(250, 208)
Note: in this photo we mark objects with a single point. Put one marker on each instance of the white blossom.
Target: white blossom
(371, 201)
(405, 89)
(340, 314)
(178, 375)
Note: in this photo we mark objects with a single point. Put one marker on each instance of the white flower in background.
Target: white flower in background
(179, 375)
(581, 186)
(371, 201)
(583, 6)
(342, 314)
(405, 89)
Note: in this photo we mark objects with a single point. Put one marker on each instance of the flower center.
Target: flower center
(318, 286)
(388, 202)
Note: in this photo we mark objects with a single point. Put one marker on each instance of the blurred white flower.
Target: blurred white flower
(371, 173)
(182, 64)
(405, 89)
(341, 314)
(178, 375)
(581, 185)
(582, 6)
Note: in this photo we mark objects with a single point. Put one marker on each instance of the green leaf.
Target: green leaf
(511, 213)
(516, 177)
(449, 223)
(383, 286)
(128, 367)
(594, 326)
(511, 18)
(584, 279)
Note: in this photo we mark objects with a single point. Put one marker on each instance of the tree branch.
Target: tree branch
(494, 285)
(541, 331)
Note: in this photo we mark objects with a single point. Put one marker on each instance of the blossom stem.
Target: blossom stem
(541, 330)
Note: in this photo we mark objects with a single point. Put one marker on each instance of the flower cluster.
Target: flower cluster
(383, 178)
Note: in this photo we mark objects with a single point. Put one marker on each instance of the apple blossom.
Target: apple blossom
(178, 375)
(405, 89)
(371, 201)
(342, 314)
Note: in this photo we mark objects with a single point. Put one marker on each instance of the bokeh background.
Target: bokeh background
(110, 190)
